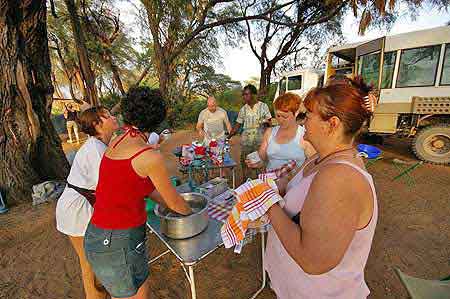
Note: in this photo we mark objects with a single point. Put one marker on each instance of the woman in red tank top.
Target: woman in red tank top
(129, 171)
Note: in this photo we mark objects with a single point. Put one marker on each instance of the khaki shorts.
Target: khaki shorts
(72, 124)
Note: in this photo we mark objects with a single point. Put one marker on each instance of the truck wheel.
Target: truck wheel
(432, 144)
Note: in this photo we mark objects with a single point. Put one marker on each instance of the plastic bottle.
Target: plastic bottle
(214, 147)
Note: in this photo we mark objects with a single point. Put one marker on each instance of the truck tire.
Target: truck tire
(432, 144)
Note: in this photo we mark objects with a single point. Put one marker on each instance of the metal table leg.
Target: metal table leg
(158, 257)
(192, 282)
(233, 174)
(263, 285)
(190, 277)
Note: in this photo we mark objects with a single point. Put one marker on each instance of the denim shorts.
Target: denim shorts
(118, 258)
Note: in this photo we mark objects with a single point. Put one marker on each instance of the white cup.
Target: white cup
(165, 134)
(253, 157)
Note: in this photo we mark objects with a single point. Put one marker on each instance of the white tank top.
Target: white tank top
(280, 154)
(346, 280)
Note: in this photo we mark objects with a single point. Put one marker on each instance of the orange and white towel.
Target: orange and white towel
(254, 198)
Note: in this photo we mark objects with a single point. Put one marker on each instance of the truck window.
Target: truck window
(348, 72)
(418, 66)
(388, 69)
(282, 85)
(445, 78)
(369, 68)
(295, 82)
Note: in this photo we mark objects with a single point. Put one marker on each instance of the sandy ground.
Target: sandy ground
(413, 234)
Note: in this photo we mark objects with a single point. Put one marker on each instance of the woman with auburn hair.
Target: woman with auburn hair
(75, 206)
(320, 240)
(284, 142)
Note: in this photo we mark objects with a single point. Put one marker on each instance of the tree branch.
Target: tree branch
(143, 75)
(52, 8)
(225, 21)
(249, 32)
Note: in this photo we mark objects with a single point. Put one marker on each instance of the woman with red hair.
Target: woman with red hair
(284, 142)
(320, 240)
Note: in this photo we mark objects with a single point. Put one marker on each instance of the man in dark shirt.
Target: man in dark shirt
(71, 122)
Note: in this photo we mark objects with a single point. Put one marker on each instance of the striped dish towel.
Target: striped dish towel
(220, 210)
(284, 169)
(254, 198)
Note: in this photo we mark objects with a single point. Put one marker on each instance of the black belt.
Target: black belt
(87, 193)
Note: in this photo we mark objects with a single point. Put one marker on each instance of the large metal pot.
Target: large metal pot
(176, 226)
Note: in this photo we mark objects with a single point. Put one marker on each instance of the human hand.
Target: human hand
(254, 165)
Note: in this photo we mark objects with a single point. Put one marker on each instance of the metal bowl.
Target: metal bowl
(177, 226)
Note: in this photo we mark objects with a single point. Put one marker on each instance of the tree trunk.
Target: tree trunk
(165, 76)
(80, 84)
(71, 90)
(264, 80)
(56, 87)
(108, 60)
(80, 41)
(30, 150)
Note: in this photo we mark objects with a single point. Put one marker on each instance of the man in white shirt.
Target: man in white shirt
(212, 122)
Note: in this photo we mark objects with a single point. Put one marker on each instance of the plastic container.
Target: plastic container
(150, 204)
(213, 143)
(214, 187)
(200, 150)
(370, 151)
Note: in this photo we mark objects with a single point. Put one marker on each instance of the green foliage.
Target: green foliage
(110, 100)
(100, 20)
(57, 109)
(230, 100)
(270, 97)
(184, 113)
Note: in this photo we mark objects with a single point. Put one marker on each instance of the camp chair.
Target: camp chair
(425, 289)
(405, 168)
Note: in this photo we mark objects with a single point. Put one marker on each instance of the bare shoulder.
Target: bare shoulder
(151, 156)
(147, 162)
(341, 178)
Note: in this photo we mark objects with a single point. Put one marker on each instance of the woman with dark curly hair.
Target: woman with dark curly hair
(129, 171)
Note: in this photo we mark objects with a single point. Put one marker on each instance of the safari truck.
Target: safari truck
(299, 81)
(410, 73)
